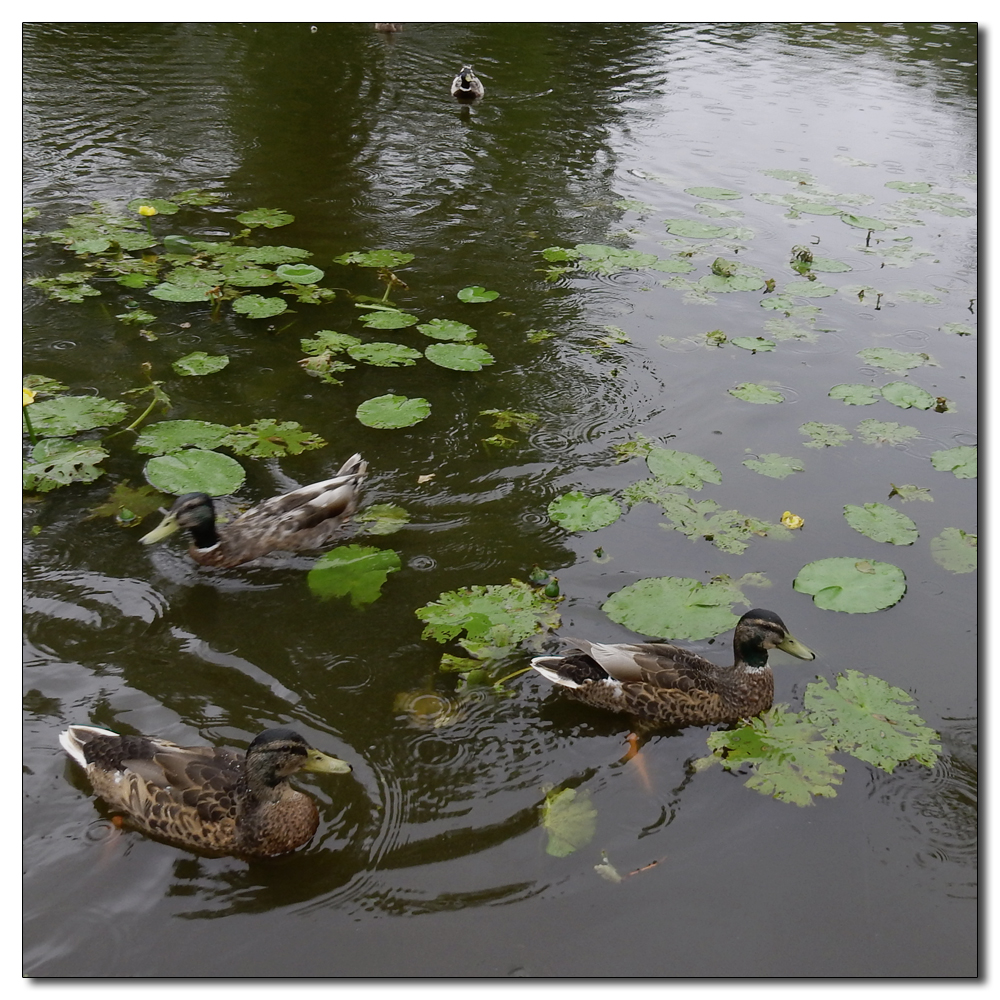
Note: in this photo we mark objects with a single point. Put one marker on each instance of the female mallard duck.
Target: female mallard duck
(214, 800)
(306, 518)
(467, 86)
(673, 686)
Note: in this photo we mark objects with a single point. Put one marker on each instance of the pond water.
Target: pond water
(854, 143)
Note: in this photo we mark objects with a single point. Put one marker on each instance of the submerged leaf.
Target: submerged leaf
(570, 819)
(882, 523)
(855, 586)
(956, 551)
(879, 432)
(355, 571)
(137, 501)
(383, 518)
(576, 512)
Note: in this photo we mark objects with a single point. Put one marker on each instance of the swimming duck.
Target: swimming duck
(215, 800)
(306, 518)
(467, 86)
(672, 686)
(388, 27)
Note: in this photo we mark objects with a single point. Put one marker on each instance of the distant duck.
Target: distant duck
(388, 27)
(676, 687)
(307, 518)
(467, 86)
(211, 799)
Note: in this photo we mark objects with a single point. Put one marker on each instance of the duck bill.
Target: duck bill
(321, 763)
(792, 645)
(164, 530)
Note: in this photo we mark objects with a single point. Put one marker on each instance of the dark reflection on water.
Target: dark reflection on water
(355, 134)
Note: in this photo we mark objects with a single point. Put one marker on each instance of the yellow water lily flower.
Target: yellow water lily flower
(28, 397)
(147, 210)
(790, 520)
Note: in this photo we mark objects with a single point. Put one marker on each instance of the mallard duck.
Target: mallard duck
(672, 686)
(388, 27)
(467, 86)
(202, 797)
(306, 518)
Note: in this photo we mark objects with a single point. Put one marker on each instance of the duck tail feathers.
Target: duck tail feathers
(75, 738)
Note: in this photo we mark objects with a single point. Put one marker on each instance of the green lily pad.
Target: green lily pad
(713, 193)
(502, 419)
(672, 265)
(476, 293)
(375, 258)
(459, 357)
(909, 492)
(391, 411)
(43, 384)
(447, 329)
(880, 432)
(71, 286)
(570, 820)
(856, 394)
(195, 471)
(956, 551)
(871, 720)
(673, 606)
(576, 512)
(58, 462)
(270, 218)
(881, 523)
(864, 222)
(959, 329)
(962, 461)
(754, 344)
(169, 436)
(603, 259)
(328, 340)
(855, 586)
(168, 291)
(905, 394)
(694, 228)
(754, 393)
(679, 468)
(383, 518)
(893, 360)
(129, 504)
(300, 274)
(259, 307)
(162, 206)
(825, 435)
(269, 438)
(200, 363)
(828, 265)
(354, 571)
(385, 355)
(179, 245)
(909, 187)
(388, 319)
(809, 289)
(66, 415)
(774, 465)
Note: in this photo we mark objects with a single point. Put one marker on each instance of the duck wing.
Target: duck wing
(656, 664)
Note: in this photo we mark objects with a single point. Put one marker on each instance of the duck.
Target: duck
(467, 86)
(210, 799)
(674, 687)
(307, 518)
(388, 27)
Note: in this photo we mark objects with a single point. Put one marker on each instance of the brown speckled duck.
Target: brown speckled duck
(675, 687)
(307, 518)
(210, 799)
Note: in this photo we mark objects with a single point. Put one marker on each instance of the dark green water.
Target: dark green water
(430, 859)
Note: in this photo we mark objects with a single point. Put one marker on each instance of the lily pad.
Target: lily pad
(259, 307)
(855, 586)
(459, 357)
(910, 492)
(713, 193)
(825, 435)
(384, 354)
(391, 411)
(679, 468)
(603, 259)
(576, 512)
(389, 319)
(956, 551)
(673, 606)
(447, 329)
(476, 293)
(270, 218)
(905, 394)
(375, 258)
(270, 438)
(195, 471)
(383, 518)
(570, 819)
(856, 394)
(168, 291)
(129, 504)
(880, 432)
(58, 462)
(66, 415)
(882, 523)
(754, 344)
(695, 229)
(809, 289)
(754, 393)
(774, 465)
(200, 363)
(162, 206)
(962, 461)
(354, 571)
(864, 222)
(169, 436)
(328, 340)
(909, 187)
(300, 274)
(893, 360)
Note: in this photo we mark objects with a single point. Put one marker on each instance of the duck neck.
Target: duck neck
(753, 657)
(203, 534)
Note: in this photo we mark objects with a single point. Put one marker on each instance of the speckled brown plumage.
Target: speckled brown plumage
(671, 686)
(211, 799)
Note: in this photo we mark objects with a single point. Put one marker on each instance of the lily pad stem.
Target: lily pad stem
(517, 673)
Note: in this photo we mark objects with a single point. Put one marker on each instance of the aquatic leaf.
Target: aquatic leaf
(753, 344)
(195, 471)
(779, 303)
(828, 265)
(880, 432)
(906, 493)
(774, 465)
(672, 265)
(893, 360)
(375, 258)
(825, 435)
(728, 530)
(181, 246)
(695, 229)
(391, 411)
(300, 274)
(675, 607)
(731, 283)
(169, 436)
(871, 720)
(388, 319)
(195, 197)
(384, 355)
(856, 586)
(494, 618)
(459, 357)
(70, 286)
(137, 317)
(329, 341)
(910, 187)
(259, 307)
(963, 461)
(717, 212)
(271, 218)
(809, 289)
(267, 254)
(570, 819)
(713, 193)
(58, 462)
(66, 415)
(200, 363)
(382, 518)
(502, 419)
(754, 393)
(633, 205)
(956, 551)
(355, 571)
(576, 512)
(129, 504)
(476, 293)
(324, 367)
(917, 295)
(248, 276)
(270, 438)
(447, 329)
(43, 384)
(959, 329)
(537, 336)
(864, 222)
(905, 394)
(855, 394)
(679, 468)
(791, 761)
(604, 259)
(881, 523)
(162, 206)
(560, 254)
(168, 291)
(783, 174)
